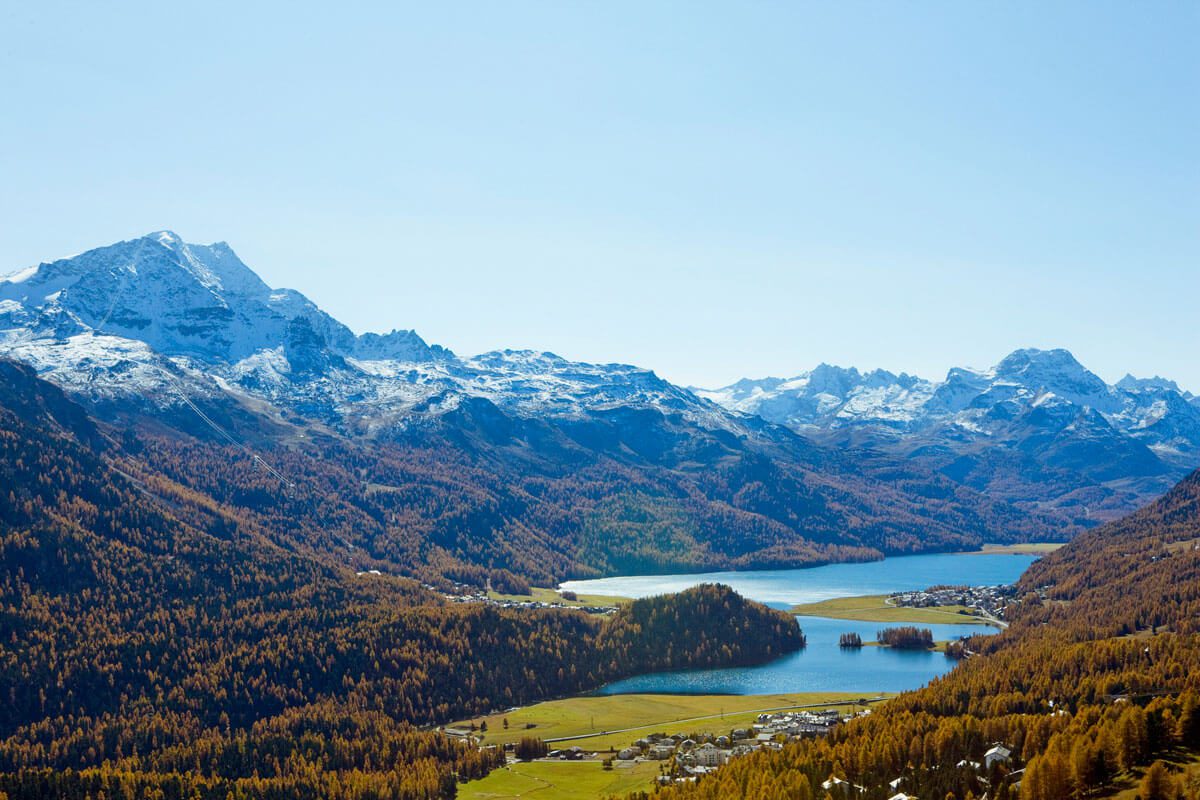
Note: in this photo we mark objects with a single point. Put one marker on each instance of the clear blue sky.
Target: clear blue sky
(710, 190)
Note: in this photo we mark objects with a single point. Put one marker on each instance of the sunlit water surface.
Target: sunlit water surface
(822, 666)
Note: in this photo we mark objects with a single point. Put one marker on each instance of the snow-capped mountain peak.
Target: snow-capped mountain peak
(1038, 429)
(159, 322)
(1059, 372)
(830, 397)
(198, 301)
(824, 393)
(140, 316)
(1132, 384)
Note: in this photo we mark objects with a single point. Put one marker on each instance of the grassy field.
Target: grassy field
(938, 646)
(613, 721)
(1181, 547)
(545, 595)
(1028, 548)
(1181, 762)
(874, 608)
(560, 780)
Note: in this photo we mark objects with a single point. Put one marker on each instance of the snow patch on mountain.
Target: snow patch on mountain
(981, 404)
(827, 393)
(141, 318)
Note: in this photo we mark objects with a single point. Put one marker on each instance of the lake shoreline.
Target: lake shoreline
(822, 665)
(987, 549)
(787, 588)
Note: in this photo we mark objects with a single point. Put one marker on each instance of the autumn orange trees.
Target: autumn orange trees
(155, 642)
(1098, 675)
(906, 637)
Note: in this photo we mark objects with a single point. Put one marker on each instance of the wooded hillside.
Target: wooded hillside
(1098, 676)
(156, 643)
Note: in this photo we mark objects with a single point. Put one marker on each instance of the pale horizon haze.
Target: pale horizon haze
(712, 191)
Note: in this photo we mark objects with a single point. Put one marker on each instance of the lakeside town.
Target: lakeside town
(686, 756)
(987, 601)
(463, 593)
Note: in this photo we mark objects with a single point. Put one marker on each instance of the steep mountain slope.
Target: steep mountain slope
(402, 456)
(1037, 429)
(154, 643)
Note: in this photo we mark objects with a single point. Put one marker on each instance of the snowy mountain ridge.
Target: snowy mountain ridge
(829, 397)
(158, 324)
(182, 300)
(155, 317)
(1038, 425)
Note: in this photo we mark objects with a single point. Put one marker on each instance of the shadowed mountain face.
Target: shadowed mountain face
(1038, 429)
(403, 456)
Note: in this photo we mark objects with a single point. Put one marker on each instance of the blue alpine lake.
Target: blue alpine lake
(822, 666)
(784, 588)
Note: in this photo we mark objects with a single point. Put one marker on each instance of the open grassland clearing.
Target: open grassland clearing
(561, 780)
(1181, 764)
(1025, 548)
(540, 594)
(610, 722)
(876, 608)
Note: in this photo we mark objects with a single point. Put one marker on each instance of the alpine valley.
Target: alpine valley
(248, 553)
(510, 466)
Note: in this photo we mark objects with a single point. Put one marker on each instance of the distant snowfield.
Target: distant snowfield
(20, 276)
(981, 403)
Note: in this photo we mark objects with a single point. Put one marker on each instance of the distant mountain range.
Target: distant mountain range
(403, 456)
(1037, 429)
(134, 321)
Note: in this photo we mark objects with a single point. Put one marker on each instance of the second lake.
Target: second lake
(822, 666)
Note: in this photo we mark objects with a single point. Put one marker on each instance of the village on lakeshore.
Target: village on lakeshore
(684, 757)
(697, 754)
(686, 754)
(986, 601)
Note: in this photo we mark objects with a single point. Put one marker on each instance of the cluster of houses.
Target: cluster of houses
(462, 593)
(688, 757)
(991, 600)
(799, 724)
(569, 754)
(699, 754)
(997, 754)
